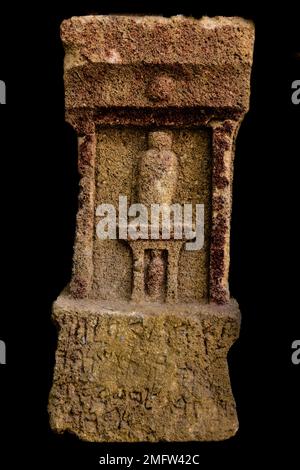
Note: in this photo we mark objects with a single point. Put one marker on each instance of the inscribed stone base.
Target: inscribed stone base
(143, 372)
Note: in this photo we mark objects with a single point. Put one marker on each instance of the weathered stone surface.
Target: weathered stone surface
(143, 373)
(143, 61)
(118, 158)
(145, 325)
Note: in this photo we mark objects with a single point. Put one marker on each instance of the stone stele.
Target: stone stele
(145, 325)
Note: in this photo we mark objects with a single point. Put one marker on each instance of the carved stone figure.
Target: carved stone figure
(158, 170)
(145, 325)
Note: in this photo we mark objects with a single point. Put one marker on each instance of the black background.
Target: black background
(38, 206)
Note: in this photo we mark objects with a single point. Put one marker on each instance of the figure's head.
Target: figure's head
(155, 253)
(160, 140)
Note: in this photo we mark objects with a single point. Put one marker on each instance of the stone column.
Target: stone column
(82, 278)
(145, 325)
(223, 140)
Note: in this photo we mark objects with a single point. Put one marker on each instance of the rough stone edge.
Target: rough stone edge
(224, 134)
(82, 273)
(73, 30)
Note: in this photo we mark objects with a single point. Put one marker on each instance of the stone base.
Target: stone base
(140, 372)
